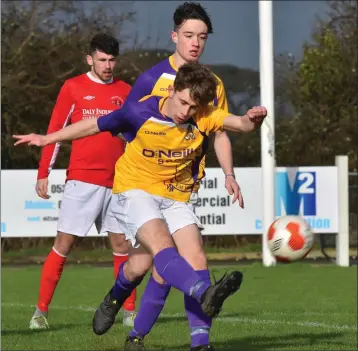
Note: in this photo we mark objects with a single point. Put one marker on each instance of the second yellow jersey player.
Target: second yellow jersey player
(156, 80)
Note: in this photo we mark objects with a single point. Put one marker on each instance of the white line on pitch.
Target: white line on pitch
(223, 318)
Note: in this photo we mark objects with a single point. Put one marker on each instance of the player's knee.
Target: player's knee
(163, 242)
(198, 260)
(155, 236)
(135, 269)
(64, 243)
(119, 243)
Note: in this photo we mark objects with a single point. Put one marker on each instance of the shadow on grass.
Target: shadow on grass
(57, 327)
(311, 341)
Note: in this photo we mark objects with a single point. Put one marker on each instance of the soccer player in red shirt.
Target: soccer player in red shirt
(90, 172)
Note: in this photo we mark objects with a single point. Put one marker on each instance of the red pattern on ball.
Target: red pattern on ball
(297, 241)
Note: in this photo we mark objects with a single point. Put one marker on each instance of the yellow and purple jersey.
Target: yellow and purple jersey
(155, 81)
(161, 157)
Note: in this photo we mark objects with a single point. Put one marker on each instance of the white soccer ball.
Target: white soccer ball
(290, 238)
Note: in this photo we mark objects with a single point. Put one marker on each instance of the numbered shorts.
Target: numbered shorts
(84, 204)
(134, 208)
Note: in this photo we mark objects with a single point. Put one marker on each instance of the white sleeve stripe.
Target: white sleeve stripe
(168, 76)
(57, 146)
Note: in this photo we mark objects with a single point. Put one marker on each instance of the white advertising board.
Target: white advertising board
(310, 191)
(23, 213)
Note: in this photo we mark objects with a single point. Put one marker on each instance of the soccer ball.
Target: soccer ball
(290, 238)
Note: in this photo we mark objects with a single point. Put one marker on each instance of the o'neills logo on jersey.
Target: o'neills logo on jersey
(94, 112)
(167, 153)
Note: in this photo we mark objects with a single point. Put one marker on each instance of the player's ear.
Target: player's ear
(170, 90)
(89, 60)
(175, 37)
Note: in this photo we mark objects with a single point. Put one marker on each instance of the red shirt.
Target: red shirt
(93, 158)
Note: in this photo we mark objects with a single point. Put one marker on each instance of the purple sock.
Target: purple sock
(122, 287)
(151, 305)
(199, 323)
(178, 273)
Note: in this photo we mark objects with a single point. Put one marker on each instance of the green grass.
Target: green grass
(289, 307)
(104, 255)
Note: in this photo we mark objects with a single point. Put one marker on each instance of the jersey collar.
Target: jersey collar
(171, 62)
(96, 80)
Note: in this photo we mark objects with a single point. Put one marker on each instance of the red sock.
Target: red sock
(129, 304)
(118, 259)
(51, 274)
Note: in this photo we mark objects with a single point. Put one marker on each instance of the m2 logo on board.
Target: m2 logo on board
(296, 195)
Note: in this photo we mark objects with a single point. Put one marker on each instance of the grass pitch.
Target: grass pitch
(289, 307)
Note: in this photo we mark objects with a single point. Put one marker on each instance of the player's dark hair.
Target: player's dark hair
(191, 10)
(105, 43)
(199, 79)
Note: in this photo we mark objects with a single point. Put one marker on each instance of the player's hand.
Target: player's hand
(257, 114)
(232, 187)
(31, 139)
(42, 188)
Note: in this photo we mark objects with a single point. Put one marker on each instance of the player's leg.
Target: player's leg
(50, 276)
(199, 323)
(80, 206)
(133, 212)
(129, 277)
(158, 239)
(150, 307)
(120, 246)
(182, 221)
(157, 290)
(186, 228)
(139, 261)
(156, 293)
(142, 218)
(139, 214)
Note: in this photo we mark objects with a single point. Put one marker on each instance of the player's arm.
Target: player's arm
(214, 119)
(115, 122)
(222, 144)
(251, 121)
(59, 119)
(223, 150)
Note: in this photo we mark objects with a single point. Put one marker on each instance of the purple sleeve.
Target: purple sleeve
(127, 120)
(143, 86)
(115, 122)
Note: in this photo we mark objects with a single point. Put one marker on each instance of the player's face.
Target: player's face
(102, 65)
(190, 39)
(182, 107)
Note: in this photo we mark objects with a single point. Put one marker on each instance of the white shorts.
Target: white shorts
(133, 208)
(85, 204)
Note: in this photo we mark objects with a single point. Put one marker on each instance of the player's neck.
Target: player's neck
(93, 76)
(165, 110)
(178, 60)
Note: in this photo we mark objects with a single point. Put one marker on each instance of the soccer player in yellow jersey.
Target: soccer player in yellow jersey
(192, 26)
(166, 140)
